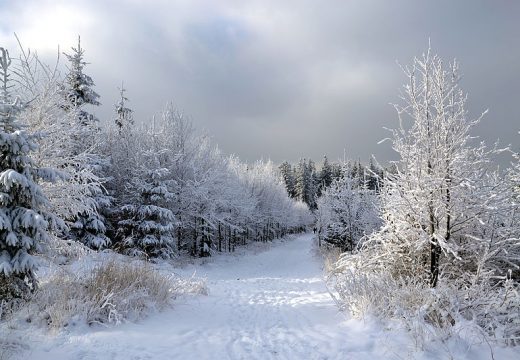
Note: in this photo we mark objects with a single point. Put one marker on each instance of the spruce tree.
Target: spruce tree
(78, 88)
(287, 174)
(147, 225)
(325, 175)
(124, 115)
(312, 185)
(87, 227)
(301, 180)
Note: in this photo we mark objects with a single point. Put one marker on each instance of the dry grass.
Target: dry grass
(111, 293)
(330, 257)
(483, 313)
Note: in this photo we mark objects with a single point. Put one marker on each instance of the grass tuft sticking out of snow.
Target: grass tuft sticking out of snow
(115, 291)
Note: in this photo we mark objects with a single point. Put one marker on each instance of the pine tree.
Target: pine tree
(313, 184)
(78, 88)
(306, 183)
(23, 219)
(87, 227)
(287, 174)
(374, 176)
(124, 115)
(325, 176)
(147, 226)
(300, 181)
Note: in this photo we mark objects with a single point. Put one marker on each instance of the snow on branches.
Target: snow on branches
(24, 221)
(347, 211)
(448, 218)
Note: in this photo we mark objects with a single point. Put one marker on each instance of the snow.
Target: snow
(267, 304)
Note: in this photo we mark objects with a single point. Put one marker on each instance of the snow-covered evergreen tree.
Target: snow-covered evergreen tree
(87, 226)
(124, 115)
(24, 221)
(374, 175)
(305, 183)
(287, 174)
(147, 227)
(325, 176)
(78, 88)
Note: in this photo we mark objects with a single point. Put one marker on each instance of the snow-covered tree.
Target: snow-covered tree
(78, 87)
(347, 212)
(514, 175)
(325, 176)
(444, 207)
(287, 174)
(305, 183)
(443, 187)
(86, 226)
(147, 227)
(216, 202)
(24, 221)
(124, 115)
(446, 240)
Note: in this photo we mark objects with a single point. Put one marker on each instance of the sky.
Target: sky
(282, 79)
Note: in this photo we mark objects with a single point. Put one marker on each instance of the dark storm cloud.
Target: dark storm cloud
(283, 79)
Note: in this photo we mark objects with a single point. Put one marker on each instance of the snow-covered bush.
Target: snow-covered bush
(448, 245)
(110, 293)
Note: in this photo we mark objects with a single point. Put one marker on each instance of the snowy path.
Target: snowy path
(271, 305)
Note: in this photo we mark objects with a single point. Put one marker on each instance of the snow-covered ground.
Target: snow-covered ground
(272, 304)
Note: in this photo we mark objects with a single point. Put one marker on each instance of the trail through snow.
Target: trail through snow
(270, 305)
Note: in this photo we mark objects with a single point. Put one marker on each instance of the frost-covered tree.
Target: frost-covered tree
(446, 248)
(511, 220)
(305, 183)
(216, 202)
(124, 115)
(287, 174)
(78, 86)
(85, 170)
(325, 176)
(347, 212)
(146, 227)
(24, 221)
(443, 187)
(514, 175)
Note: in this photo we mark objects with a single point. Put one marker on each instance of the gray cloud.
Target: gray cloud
(282, 79)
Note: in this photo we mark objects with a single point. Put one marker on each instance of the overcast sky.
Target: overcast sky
(282, 79)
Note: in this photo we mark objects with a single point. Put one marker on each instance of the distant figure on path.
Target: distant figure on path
(314, 230)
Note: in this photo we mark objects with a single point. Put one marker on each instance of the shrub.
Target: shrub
(111, 293)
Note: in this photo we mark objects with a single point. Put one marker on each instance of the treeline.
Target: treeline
(307, 184)
(150, 189)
